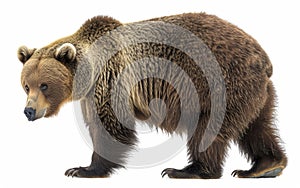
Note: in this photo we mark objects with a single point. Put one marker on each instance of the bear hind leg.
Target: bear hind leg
(261, 144)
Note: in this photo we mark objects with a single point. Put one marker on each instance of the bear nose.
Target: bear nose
(29, 113)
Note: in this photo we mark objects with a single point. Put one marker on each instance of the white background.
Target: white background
(36, 154)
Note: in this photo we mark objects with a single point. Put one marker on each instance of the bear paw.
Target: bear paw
(84, 172)
(268, 173)
(174, 173)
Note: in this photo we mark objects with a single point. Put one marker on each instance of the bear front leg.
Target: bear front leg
(109, 154)
(99, 168)
(111, 139)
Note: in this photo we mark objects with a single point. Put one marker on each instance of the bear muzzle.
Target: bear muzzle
(30, 113)
(36, 106)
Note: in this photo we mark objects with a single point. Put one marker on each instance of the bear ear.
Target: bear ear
(66, 52)
(25, 53)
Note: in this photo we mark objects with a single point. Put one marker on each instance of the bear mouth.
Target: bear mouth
(41, 114)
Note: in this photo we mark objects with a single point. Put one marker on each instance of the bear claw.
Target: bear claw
(73, 172)
(271, 173)
(235, 173)
(174, 173)
(86, 172)
(166, 171)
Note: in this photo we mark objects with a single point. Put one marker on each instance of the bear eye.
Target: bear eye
(26, 88)
(43, 87)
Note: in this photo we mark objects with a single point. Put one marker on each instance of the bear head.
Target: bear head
(47, 78)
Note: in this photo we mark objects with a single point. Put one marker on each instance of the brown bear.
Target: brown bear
(117, 70)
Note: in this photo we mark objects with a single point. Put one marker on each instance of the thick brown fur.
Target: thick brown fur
(250, 96)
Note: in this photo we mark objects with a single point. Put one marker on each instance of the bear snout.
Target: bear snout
(30, 113)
